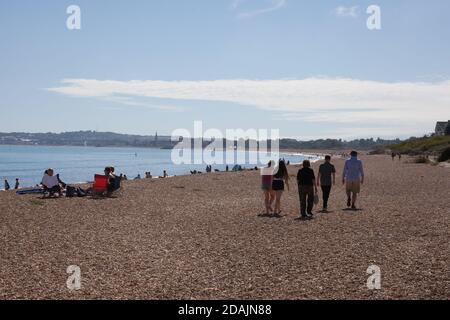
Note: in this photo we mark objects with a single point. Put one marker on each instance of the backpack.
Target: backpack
(81, 192)
(70, 192)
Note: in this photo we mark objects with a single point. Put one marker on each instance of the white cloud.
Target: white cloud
(270, 5)
(409, 106)
(129, 101)
(352, 12)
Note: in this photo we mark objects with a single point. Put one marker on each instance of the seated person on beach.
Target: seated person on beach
(165, 175)
(50, 182)
(112, 172)
(109, 172)
(113, 183)
(7, 186)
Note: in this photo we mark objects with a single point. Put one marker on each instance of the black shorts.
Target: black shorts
(278, 185)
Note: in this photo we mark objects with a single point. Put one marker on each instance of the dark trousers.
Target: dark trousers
(53, 190)
(326, 195)
(306, 195)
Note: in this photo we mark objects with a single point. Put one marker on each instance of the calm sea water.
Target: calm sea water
(79, 164)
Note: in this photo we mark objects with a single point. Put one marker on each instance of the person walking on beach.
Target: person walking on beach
(280, 179)
(393, 156)
(16, 186)
(353, 177)
(7, 186)
(325, 179)
(306, 182)
(266, 186)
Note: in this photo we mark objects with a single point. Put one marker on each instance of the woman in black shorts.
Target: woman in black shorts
(280, 178)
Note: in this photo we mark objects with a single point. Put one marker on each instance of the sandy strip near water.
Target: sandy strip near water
(200, 237)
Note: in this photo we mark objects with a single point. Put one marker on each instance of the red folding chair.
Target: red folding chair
(100, 184)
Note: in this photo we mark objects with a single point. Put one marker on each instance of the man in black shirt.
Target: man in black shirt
(326, 178)
(306, 181)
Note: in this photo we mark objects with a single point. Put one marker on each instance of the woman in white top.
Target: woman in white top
(50, 182)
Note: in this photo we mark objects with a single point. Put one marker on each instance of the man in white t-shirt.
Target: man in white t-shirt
(51, 182)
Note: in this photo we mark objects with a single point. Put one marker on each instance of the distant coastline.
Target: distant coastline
(111, 139)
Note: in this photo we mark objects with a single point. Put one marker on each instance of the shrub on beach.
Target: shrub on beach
(377, 151)
(445, 155)
(421, 159)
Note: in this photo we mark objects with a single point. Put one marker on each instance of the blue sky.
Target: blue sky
(309, 68)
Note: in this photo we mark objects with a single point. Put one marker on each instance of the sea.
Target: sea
(79, 164)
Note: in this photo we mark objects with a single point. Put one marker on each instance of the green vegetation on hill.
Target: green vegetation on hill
(445, 155)
(433, 145)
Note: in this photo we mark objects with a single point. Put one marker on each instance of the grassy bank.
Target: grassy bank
(433, 145)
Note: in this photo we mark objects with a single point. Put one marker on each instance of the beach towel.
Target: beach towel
(30, 191)
(81, 192)
(71, 192)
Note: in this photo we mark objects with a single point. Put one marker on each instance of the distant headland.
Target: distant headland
(111, 139)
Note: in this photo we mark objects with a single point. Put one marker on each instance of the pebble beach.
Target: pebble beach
(201, 237)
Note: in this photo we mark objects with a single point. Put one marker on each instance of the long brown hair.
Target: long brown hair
(282, 170)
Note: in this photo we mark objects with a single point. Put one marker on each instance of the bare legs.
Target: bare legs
(351, 196)
(268, 201)
(269, 198)
(277, 197)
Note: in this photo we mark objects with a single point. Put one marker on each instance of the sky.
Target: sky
(312, 69)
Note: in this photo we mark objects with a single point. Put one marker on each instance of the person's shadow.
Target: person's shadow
(325, 211)
(352, 210)
(265, 215)
(304, 219)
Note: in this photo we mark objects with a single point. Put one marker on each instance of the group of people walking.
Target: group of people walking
(393, 155)
(275, 178)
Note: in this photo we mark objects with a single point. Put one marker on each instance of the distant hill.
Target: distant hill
(82, 138)
(336, 144)
(111, 139)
